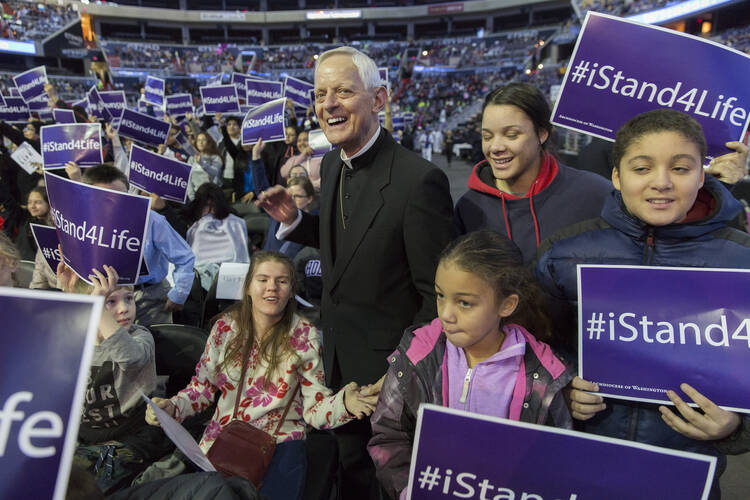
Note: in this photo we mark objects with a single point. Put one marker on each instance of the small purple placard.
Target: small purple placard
(30, 84)
(15, 110)
(77, 142)
(220, 99)
(265, 122)
(114, 101)
(159, 175)
(179, 104)
(47, 241)
(298, 91)
(154, 91)
(64, 115)
(143, 128)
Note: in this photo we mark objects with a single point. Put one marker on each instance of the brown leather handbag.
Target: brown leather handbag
(243, 450)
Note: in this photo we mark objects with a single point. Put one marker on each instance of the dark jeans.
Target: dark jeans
(285, 477)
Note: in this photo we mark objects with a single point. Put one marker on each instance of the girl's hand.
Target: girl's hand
(714, 423)
(730, 168)
(162, 403)
(354, 405)
(65, 275)
(73, 171)
(258, 149)
(161, 148)
(583, 405)
(104, 285)
(369, 393)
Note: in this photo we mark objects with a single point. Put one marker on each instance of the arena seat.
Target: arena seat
(178, 349)
(24, 272)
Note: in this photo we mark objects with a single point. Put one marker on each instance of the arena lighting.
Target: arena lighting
(540, 66)
(17, 47)
(682, 10)
(317, 15)
(424, 53)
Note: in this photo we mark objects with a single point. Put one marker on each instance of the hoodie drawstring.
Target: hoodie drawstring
(505, 215)
(533, 214)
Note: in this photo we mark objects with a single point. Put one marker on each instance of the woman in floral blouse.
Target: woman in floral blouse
(284, 362)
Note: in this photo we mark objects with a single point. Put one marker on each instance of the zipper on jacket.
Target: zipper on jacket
(465, 391)
(649, 253)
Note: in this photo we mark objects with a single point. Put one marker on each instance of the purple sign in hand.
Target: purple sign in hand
(98, 227)
(114, 101)
(179, 104)
(154, 91)
(486, 457)
(159, 175)
(96, 105)
(30, 84)
(15, 110)
(609, 81)
(318, 143)
(64, 115)
(78, 142)
(265, 122)
(220, 99)
(45, 370)
(47, 241)
(659, 328)
(260, 92)
(143, 128)
(298, 91)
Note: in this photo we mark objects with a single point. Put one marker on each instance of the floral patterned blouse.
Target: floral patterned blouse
(314, 402)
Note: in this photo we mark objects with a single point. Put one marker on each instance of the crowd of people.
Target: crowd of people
(372, 248)
(34, 21)
(623, 8)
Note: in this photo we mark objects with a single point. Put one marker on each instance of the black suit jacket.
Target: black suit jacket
(383, 276)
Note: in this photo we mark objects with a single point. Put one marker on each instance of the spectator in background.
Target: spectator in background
(207, 164)
(38, 207)
(305, 158)
(216, 235)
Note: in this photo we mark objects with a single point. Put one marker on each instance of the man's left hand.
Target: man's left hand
(714, 423)
(170, 306)
(731, 167)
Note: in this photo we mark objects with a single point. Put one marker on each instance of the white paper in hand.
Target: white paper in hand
(181, 438)
(27, 157)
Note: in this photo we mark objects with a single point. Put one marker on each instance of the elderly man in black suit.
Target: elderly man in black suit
(385, 215)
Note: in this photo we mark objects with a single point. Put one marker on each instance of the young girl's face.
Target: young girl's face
(469, 310)
(121, 305)
(270, 290)
(201, 143)
(510, 143)
(36, 205)
(659, 177)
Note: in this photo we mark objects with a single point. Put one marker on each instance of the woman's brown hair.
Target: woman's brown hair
(274, 346)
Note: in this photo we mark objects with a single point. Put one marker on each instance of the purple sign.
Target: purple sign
(383, 73)
(658, 328)
(30, 84)
(143, 128)
(179, 104)
(77, 142)
(220, 99)
(486, 457)
(185, 144)
(238, 80)
(609, 81)
(154, 91)
(84, 103)
(38, 104)
(14, 91)
(318, 143)
(98, 226)
(96, 105)
(15, 110)
(114, 101)
(298, 91)
(47, 241)
(215, 80)
(64, 115)
(45, 370)
(159, 175)
(265, 122)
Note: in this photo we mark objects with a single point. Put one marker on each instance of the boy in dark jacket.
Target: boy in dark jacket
(665, 212)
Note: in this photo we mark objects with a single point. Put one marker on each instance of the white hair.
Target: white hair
(366, 67)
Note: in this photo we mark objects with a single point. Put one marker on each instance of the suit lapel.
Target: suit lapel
(378, 176)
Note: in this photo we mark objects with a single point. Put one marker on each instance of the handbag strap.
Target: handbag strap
(239, 393)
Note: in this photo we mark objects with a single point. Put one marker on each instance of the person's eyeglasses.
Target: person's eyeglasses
(299, 196)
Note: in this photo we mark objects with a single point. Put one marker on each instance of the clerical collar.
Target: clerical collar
(348, 161)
